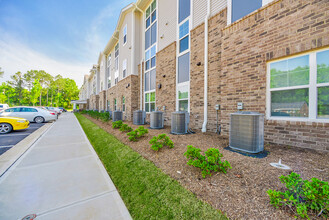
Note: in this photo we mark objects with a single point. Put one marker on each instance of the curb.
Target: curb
(12, 155)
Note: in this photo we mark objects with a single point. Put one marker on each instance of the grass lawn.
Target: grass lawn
(147, 192)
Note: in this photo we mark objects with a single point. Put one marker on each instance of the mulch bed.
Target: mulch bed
(241, 193)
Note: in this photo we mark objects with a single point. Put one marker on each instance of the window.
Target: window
(115, 104)
(108, 69)
(237, 9)
(184, 36)
(123, 103)
(101, 85)
(116, 74)
(150, 57)
(125, 35)
(184, 68)
(298, 87)
(150, 90)
(108, 105)
(184, 10)
(183, 56)
(124, 68)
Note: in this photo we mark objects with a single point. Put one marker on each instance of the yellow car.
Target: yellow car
(8, 124)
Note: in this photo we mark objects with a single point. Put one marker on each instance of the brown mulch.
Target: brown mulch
(241, 193)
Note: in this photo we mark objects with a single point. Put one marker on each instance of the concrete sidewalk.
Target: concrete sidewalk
(60, 177)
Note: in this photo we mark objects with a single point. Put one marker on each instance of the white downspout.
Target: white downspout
(205, 107)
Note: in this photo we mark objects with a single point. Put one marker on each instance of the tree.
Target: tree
(35, 92)
(18, 84)
(1, 73)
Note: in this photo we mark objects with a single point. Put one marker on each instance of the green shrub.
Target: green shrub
(125, 128)
(139, 132)
(302, 197)
(117, 124)
(159, 141)
(210, 162)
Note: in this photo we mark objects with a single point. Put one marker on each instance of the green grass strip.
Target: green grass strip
(147, 192)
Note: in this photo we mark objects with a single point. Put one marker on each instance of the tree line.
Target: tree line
(37, 87)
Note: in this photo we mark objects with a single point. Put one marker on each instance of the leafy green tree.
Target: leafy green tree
(35, 92)
(1, 73)
(17, 81)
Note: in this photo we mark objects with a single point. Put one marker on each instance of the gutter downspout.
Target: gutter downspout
(141, 63)
(205, 107)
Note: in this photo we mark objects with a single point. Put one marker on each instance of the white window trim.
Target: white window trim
(229, 10)
(313, 86)
(149, 49)
(124, 68)
(178, 54)
(125, 34)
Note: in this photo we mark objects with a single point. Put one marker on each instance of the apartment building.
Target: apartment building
(271, 56)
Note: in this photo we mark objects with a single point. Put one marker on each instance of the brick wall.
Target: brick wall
(102, 101)
(129, 88)
(166, 76)
(283, 28)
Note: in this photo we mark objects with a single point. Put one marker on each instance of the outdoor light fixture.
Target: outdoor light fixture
(164, 76)
(198, 64)
(159, 86)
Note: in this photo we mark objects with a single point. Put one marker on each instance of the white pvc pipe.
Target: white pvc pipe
(205, 107)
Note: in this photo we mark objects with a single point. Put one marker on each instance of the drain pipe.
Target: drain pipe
(205, 107)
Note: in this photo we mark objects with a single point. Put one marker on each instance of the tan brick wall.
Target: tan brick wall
(284, 28)
(166, 76)
(129, 88)
(102, 101)
(94, 102)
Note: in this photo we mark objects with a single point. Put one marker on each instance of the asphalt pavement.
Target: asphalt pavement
(7, 141)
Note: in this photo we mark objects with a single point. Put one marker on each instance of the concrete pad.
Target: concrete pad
(108, 206)
(41, 155)
(60, 177)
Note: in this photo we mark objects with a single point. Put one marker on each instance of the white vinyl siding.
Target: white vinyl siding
(166, 23)
(200, 10)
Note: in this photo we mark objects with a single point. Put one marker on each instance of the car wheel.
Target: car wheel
(39, 119)
(5, 128)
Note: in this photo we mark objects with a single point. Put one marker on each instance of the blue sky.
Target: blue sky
(59, 36)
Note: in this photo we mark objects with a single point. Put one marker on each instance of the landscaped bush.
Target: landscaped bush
(139, 132)
(125, 128)
(159, 141)
(302, 197)
(117, 124)
(104, 116)
(210, 162)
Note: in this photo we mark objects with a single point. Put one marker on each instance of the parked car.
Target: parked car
(53, 109)
(63, 109)
(8, 124)
(3, 107)
(32, 114)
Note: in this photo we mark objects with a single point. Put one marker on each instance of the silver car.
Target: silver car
(32, 114)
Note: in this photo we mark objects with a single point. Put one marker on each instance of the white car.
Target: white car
(31, 114)
(53, 109)
(3, 107)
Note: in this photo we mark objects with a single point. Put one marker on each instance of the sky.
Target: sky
(58, 36)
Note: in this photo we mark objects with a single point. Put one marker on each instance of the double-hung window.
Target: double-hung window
(116, 74)
(298, 87)
(123, 104)
(150, 57)
(239, 8)
(183, 56)
(115, 104)
(124, 68)
(108, 71)
(125, 35)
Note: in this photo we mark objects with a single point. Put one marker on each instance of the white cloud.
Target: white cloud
(15, 56)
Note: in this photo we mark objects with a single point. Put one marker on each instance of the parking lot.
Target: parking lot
(7, 141)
